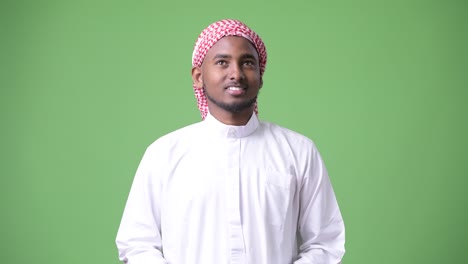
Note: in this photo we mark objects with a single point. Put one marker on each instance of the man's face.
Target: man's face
(230, 75)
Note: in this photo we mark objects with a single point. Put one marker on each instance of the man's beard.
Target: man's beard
(234, 107)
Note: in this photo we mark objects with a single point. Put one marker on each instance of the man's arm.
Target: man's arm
(139, 236)
(321, 228)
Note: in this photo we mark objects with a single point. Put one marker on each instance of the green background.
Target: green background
(380, 86)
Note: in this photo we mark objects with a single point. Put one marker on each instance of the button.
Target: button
(232, 132)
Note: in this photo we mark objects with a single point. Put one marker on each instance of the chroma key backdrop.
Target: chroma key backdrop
(380, 86)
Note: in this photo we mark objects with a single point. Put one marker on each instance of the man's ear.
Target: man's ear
(197, 77)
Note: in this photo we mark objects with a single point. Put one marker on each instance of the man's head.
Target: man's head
(228, 63)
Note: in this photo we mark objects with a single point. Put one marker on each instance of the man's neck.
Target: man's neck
(232, 119)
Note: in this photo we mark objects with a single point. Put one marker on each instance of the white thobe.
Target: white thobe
(211, 193)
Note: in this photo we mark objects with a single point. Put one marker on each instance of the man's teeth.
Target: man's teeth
(235, 88)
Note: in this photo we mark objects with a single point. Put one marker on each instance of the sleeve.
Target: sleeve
(321, 229)
(139, 235)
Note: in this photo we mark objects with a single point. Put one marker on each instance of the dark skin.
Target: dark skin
(230, 77)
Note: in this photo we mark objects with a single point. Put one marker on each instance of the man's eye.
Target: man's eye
(221, 62)
(249, 63)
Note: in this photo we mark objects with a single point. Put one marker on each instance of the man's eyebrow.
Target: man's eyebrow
(248, 56)
(226, 56)
(221, 56)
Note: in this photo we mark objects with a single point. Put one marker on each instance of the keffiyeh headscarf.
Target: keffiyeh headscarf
(209, 36)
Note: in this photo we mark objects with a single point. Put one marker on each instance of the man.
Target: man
(231, 189)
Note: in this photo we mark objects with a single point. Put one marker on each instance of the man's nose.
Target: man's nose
(236, 72)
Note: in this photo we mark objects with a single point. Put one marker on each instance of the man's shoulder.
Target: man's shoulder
(179, 135)
(281, 132)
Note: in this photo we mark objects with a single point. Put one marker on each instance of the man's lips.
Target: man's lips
(234, 85)
(235, 90)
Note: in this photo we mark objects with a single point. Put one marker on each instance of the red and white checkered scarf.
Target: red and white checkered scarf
(209, 36)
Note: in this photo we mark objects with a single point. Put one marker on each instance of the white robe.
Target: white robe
(211, 193)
